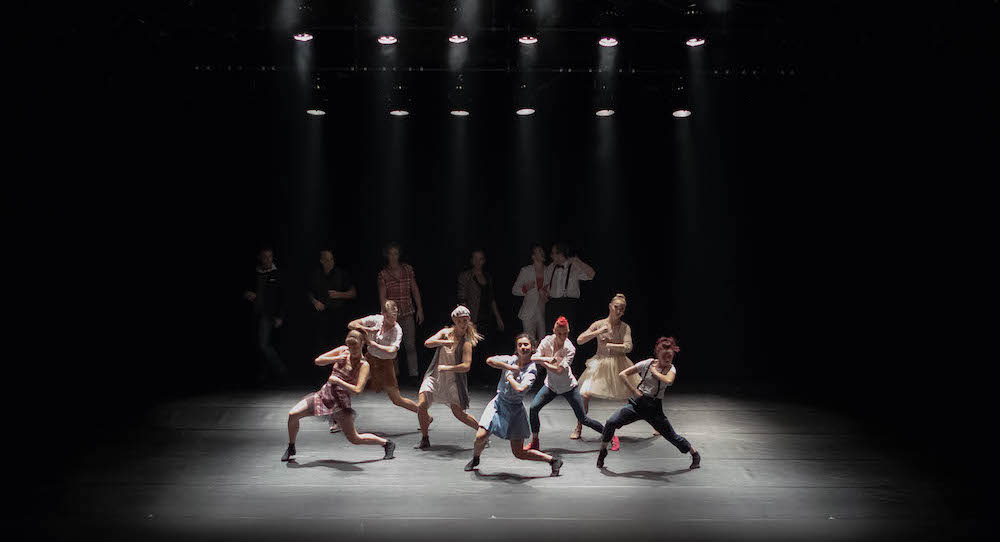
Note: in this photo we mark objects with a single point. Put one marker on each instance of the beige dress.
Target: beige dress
(600, 379)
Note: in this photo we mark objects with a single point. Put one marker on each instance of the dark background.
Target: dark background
(794, 239)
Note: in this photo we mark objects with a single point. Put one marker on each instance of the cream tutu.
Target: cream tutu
(600, 378)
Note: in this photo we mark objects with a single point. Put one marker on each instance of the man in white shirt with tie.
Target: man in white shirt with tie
(562, 284)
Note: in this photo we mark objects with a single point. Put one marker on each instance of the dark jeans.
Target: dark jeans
(272, 364)
(651, 410)
(546, 395)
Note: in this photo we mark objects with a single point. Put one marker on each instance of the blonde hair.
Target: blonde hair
(619, 297)
(357, 336)
(471, 335)
(391, 308)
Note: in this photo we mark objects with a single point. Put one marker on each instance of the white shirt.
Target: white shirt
(559, 383)
(526, 278)
(385, 338)
(556, 279)
(650, 385)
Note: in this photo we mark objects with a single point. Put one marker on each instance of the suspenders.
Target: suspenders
(566, 285)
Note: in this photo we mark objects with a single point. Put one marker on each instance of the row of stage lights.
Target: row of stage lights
(527, 39)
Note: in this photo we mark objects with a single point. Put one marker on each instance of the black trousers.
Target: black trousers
(650, 410)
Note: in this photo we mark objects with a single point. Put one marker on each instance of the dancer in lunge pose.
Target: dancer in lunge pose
(555, 353)
(505, 416)
(445, 380)
(600, 379)
(348, 374)
(656, 375)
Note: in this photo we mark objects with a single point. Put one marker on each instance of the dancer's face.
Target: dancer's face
(461, 322)
(388, 319)
(665, 355)
(561, 333)
(538, 255)
(558, 257)
(524, 349)
(616, 309)
(354, 347)
(266, 258)
(392, 255)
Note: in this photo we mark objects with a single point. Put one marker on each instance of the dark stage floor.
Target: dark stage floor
(208, 467)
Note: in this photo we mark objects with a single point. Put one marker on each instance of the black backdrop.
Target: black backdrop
(806, 274)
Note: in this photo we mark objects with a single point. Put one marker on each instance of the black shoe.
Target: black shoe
(425, 443)
(695, 460)
(472, 464)
(600, 457)
(556, 465)
(289, 452)
(390, 447)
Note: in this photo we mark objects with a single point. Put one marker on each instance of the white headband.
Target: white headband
(460, 311)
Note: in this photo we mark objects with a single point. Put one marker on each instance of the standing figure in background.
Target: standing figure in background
(600, 379)
(397, 282)
(268, 310)
(530, 285)
(655, 376)
(330, 289)
(504, 415)
(562, 284)
(475, 291)
(445, 380)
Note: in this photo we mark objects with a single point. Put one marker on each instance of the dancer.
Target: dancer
(600, 379)
(348, 374)
(445, 380)
(555, 353)
(384, 336)
(646, 403)
(530, 284)
(397, 282)
(505, 416)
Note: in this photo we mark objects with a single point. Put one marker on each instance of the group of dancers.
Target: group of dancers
(368, 359)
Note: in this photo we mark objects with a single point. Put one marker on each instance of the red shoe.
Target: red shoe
(615, 445)
(533, 446)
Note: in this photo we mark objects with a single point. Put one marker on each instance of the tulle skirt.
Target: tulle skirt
(600, 378)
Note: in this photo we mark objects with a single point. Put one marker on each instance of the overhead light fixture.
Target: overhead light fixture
(694, 25)
(679, 103)
(607, 42)
(458, 98)
(387, 40)
(398, 101)
(459, 113)
(695, 42)
(303, 36)
(315, 112)
(458, 38)
(525, 111)
(604, 112)
(527, 40)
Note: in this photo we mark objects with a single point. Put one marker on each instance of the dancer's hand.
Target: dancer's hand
(249, 296)
(318, 305)
(499, 323)
(420, 316)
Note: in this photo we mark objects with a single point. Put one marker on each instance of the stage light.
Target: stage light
(694, 24)
(679, 101)
(457, 38)
(527, 40)
(525, 111)
(398, 102)
(458, 98)
(303, 37)
(315, 112)
(459, 112)
(607, 42)
(399, 112)
(387, 40)
(695, 42)
(681, 113)
(605, 112)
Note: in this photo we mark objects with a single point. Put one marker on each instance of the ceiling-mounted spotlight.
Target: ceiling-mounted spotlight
(318, 100)
(607, 42)
(387, 40)
(524, 100)
(398, 101)
(303, 36)
(315, 112)
(694, 25)
(525, 23)
(458, 38)
(604, 99)
(680, 106)
(609, 21)
(458, 98)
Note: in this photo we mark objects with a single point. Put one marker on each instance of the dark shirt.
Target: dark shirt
(337, 279)
(269, 294)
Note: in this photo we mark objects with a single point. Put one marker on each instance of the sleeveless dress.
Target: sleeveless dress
(333, 398)
(600, 378)
(449, 388)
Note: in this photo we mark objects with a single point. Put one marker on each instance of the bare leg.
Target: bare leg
(464, 417)
(482, 436)
(346, 421)
(399, 400)
(299, 411)
(423, 403)
(517, 448)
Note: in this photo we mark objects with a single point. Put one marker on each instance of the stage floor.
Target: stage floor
(208, 467)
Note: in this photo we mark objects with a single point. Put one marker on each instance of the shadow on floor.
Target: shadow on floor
(332, 464)
(644, 474)
(506, 477)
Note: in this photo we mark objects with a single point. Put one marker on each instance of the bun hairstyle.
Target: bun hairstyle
(618, 297)
(664, 343)
(562, 321)
(357, 336)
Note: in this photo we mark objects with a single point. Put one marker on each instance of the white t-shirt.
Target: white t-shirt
(564, 280)
(393, 337)
(559, 383)
(650, 385)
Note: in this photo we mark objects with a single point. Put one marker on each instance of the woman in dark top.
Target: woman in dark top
(475, 291)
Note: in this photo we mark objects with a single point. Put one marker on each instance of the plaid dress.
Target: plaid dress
(333, 398)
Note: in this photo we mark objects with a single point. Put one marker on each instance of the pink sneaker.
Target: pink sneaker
(533, 445)
(615, 445)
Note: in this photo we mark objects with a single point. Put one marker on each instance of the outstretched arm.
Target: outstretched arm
(494, 361)
(439, 339)
(337, 354)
